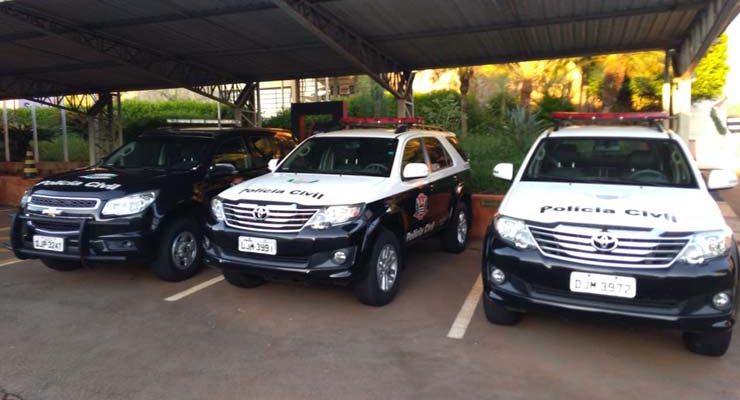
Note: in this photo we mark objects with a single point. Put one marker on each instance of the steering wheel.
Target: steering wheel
(647, 174)
(376, 167)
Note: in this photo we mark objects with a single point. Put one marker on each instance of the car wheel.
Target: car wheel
(180, 252)
(242, 280)
(383, 270)
(455, 237)
(498, 314)
(709, 343)
(61, 265)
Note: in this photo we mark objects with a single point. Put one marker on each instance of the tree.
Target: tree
(464, 74)
(711, 72)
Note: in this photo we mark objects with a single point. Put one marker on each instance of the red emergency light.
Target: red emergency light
(382, 121)
(609, 116)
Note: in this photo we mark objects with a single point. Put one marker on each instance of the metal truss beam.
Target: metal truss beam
(165, 67)
(389, 73)
(705, 29)
(88, 104)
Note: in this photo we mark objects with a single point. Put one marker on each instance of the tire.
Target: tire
(180, 252)
(61, 265)
(498, 314)
(242, 280)
(382, 272)
(455, 237)
(712, 343)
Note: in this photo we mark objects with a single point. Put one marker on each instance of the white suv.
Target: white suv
(614, 221)
(342, 207)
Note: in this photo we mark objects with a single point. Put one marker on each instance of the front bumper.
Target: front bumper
(302, 256)
(85, 239)
(678, 297)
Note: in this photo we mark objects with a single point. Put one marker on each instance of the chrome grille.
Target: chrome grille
(635, 248)
(281, 218)
(64, 202)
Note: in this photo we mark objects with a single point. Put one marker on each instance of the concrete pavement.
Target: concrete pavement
(108, 333)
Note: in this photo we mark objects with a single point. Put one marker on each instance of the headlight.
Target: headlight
(334, 215)
(217, 208)
(515, 232)
(132, 204)
(25, 198)
(707, 245)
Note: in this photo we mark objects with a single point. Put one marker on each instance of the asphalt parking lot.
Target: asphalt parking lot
(109, 332)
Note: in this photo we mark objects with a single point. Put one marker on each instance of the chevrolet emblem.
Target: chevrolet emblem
(52, 212)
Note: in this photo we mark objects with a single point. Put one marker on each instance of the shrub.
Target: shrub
(53, 149)
(711, 72)
(550, 104)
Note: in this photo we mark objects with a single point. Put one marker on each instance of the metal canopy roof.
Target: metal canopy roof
(50, 47)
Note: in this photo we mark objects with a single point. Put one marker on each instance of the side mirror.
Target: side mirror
(222, 170)
(415, 171)
(504, 171)
(721, 179)
(272, 164)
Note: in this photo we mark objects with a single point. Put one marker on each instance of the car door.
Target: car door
(415, 200)
(442, 181)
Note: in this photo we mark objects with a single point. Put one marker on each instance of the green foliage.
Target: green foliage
(140, 116)
(523, 126)
(52, 150)
(280, 120)
(711, 72)
(550, 104)
(485, 151)
(441, 108)
(646, 92)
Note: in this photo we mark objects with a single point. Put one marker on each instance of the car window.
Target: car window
(232, 151)
(286, 146)
(455, 142)
(413, 153)
(438, 157)
(623, 161)
(158, 152)
(343, 156)
(263, 149)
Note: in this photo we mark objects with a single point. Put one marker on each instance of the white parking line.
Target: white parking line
(196, 288)
(7, 228)
(460, 325)
(11, 262)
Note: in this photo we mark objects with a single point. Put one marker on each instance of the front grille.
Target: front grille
(56, 226)
(635, 248)
(281, 218)
(63, 202)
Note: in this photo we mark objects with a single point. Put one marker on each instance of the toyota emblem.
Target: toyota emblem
(261, 213)
(603, 241)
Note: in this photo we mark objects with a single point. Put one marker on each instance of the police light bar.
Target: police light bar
(610, 116)
(382, 121)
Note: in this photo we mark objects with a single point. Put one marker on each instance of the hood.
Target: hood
(667, 209)
(107, 182)
(307, 189)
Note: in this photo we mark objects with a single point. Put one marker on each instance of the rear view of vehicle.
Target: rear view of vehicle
(614, 222)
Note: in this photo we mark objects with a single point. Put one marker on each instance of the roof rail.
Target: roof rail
(401, 124)
(652, 118)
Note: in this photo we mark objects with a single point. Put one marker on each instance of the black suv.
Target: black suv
(147, 200)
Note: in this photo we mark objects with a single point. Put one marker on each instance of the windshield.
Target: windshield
(623, 161)
(166, 153)
(343, 156)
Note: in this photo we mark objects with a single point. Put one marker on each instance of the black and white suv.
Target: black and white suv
(342, 207)
(614, 222)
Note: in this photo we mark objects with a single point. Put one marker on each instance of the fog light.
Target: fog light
(721, 301)
(206, 242)
(339, 257)
(498, 276)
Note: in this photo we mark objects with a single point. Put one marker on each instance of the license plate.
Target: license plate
(257, 245)
(48, 243)
(606, 285)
